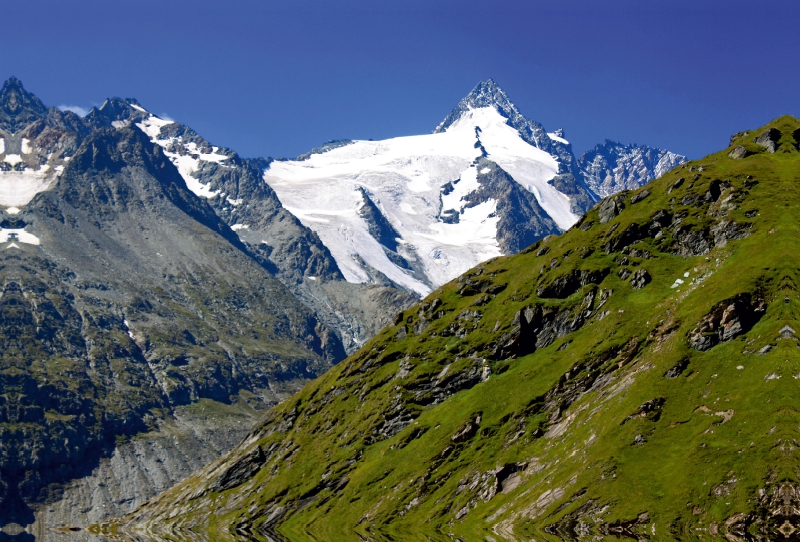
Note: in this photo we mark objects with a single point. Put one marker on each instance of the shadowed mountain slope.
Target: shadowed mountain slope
(633, 377)
(124, 300)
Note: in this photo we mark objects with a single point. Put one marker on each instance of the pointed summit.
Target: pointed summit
(485, 94)
(18, 107)
(116, 112)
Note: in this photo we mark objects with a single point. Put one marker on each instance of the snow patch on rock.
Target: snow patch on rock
(11, 235)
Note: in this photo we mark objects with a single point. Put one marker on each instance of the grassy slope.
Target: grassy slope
(721, 436)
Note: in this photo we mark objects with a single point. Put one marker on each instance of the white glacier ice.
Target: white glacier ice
(405, 176)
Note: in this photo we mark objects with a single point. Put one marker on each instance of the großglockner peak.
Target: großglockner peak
(486, 182)
(487, 94)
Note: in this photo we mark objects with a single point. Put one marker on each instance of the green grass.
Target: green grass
(690, 472)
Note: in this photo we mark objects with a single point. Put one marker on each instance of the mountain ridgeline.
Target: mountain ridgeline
(634, 377)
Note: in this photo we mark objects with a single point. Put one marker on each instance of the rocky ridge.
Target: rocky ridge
(611, 167)
(234, 188)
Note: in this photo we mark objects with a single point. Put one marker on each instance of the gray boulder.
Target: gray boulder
(738, 153)
(611, 207)
(768, 139)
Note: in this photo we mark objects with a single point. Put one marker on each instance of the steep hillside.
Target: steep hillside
(633, 377)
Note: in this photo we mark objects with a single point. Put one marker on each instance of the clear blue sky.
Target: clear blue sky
(270, 78)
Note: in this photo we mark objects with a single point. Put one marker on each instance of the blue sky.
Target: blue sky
(270, 78)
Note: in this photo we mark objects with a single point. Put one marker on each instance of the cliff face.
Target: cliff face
(632, 376)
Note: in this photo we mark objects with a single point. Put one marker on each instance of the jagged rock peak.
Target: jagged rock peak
(18, 107)
(612, 166)
(485, 94)
(116, 110)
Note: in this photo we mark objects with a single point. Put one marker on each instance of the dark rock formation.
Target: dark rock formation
(569, 283)
(738, 153)
(768, 139)
(727, 320)
(640, 279)
(611, 207)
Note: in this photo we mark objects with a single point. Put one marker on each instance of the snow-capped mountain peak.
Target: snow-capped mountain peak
(488, 95)
(454, 197)
(485, 94)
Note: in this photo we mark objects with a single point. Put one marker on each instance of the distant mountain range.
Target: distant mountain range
(156, 284)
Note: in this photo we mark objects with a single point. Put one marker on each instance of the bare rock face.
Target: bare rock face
(611, 207)
(569, 283)
(124, 298)
(727, 320)
(640, 279)
(738, 153)
(768, 139)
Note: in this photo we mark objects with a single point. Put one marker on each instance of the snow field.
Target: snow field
(405, 177)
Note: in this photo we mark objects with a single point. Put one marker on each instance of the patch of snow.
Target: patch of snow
(25, 147)
(120, 123)
(237, 227)
(235, 202)
(188, 162)
(468, 184)
(311, 278)
(13, 210)
(12, 159)
(408, 209)
(554, 137)
(17, 188)
(476, 225)
(13, 245)
(485, 170)
(152, 125)
(128, 327)
(18, 235)
(136, 107)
